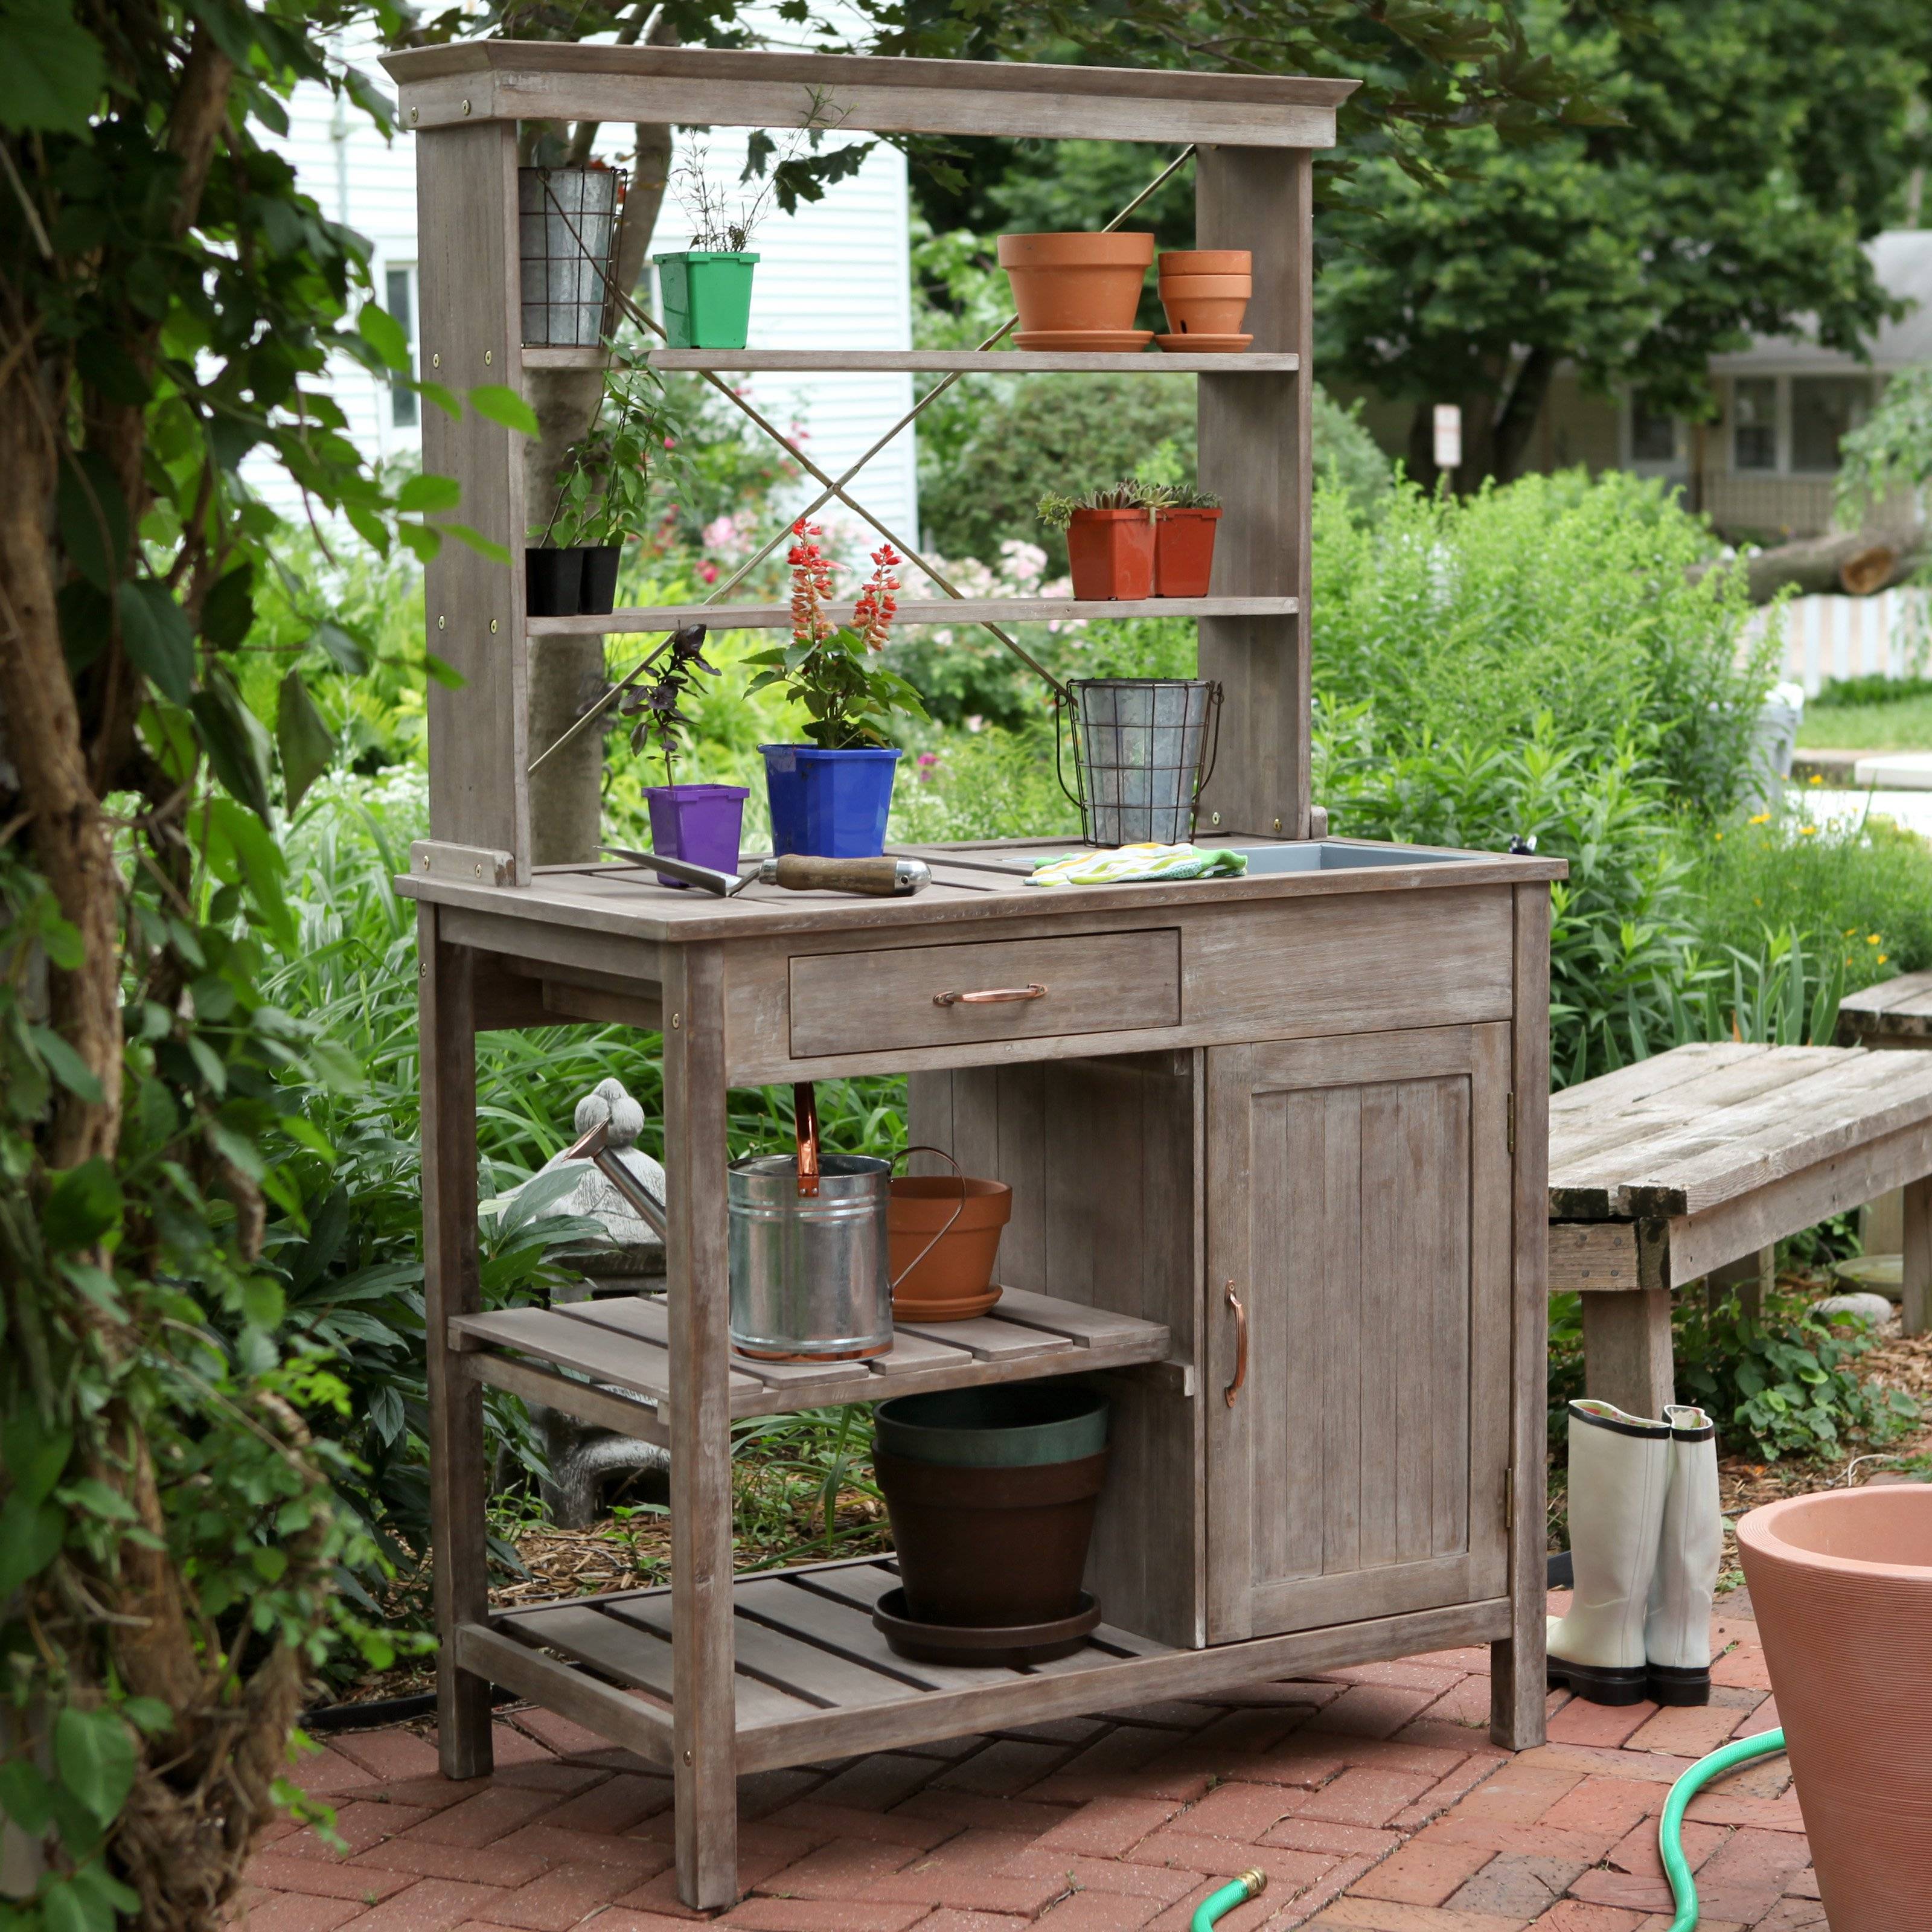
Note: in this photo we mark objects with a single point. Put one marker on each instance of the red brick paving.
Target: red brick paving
(1371, 1797)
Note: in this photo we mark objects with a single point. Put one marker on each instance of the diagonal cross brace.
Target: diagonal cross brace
(833, 487)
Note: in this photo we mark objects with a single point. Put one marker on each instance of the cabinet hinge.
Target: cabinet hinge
(1509, 1498)
(1509, 1118)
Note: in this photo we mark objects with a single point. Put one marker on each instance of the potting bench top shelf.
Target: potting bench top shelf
(911, 611)
(992, 362)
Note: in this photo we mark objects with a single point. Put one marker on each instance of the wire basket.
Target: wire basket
(1138, 744)
(567, 222)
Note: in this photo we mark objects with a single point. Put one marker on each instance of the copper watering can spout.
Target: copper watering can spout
(804, 1123)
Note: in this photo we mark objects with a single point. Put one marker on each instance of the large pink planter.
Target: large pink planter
(1842, 1585)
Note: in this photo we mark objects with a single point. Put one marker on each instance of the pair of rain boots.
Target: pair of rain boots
(1646, 1536)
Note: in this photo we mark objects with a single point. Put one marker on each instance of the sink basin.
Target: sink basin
(1325, 855)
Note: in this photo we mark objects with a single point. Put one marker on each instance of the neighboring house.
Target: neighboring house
(1765, 468)
(836, 275)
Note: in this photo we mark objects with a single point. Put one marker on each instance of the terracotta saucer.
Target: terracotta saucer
(959, 1643)
(1204, 345)
(1092, 341)
(952, 1310)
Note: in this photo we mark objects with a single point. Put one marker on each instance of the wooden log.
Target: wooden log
(1857, 562)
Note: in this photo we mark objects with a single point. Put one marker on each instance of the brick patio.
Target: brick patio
(1372, 1798)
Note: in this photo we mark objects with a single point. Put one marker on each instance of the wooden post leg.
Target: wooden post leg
(704, 1738)
(1917, 1274)
(1519, 1693)
(1754, 1278)
(458, 1474)
(1627, 1357)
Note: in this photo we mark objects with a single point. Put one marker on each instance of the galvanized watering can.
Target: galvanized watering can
(808, 1243)
(810, 1281)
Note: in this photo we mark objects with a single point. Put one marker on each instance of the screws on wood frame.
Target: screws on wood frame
(436, 362)
(493, 632)
(1216, 819)
(489, 356)
(442, 623)
(1277, 825)
(425, 869)
(466, 107)
(479, 868)
(677, 1019)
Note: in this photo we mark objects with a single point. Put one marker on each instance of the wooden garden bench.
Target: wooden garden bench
(1896, 1012)
(1684, 1165)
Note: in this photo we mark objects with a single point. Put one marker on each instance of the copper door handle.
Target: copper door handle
(1234, 1388)
(993, 996)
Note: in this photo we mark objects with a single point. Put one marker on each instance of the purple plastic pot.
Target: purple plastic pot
(698, 822)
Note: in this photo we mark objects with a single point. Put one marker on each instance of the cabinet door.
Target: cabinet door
(1359, 1198)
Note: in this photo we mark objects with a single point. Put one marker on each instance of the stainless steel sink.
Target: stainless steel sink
(1328, 855)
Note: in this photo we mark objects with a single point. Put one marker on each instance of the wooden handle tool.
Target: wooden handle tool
(878, 878)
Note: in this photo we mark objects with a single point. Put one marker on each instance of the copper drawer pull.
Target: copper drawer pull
(993, 996)
(1234, 1388)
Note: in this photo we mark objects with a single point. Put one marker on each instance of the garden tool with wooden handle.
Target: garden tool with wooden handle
(876, 878)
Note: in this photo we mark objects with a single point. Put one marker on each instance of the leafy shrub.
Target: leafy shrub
(1873, 687)
(1782, 1385)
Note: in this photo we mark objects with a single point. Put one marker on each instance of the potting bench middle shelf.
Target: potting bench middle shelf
(912, 610)
(623, 1341)
(940, 361)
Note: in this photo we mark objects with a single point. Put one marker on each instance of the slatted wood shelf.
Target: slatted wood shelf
(912, 610)
(938, 361)
(811, 1678)
(622, 1342)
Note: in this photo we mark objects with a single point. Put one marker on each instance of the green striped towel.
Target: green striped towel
(1130, 865)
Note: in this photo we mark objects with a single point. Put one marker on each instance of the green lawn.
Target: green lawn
(1906, 726)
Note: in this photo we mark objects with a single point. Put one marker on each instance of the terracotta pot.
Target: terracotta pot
(1183, 552)
(952, 1280)
(1063, 282)
(1205, 304)
(994, 1547)
(1842, 1584)
(1111, 553)
(1206, 262)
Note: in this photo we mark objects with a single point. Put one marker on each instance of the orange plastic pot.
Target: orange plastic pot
(1064, 282)
(1111, 553)
(1205, 304)
(1841, 1583)
(954, 1279)
(1183, 552)
(1206, 262)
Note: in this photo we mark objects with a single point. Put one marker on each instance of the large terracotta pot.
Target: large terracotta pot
(1075, 282)
(1842, 1584)
(1206, 261)
(1205, 304)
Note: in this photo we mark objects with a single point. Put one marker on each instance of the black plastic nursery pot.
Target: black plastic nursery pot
(553, 582)
(599, 594)
(994, 1533)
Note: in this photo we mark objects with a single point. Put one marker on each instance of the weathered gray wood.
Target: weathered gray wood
(911, 996)
(705, 1767)
(586, 1402)
(621, 1716)
(1255, 452)
(1605, 1257)
(458, 1455)
(1518, 1691)
(558, 80)
(914, 610)
(1627, 1352)
(997, 361)
(473, 609)
(1362, 1209)
(1894, 1013)
(429, 858)
(1916, 1276)
(988, 1340)
(551, 1335)
(848, 1631)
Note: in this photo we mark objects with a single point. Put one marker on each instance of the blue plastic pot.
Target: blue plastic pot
(829, 804)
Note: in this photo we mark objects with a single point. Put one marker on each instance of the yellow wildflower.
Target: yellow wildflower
(1762, 818)
(1872, 939)
(1817, 778)
(1882, 957)
(1806, 831)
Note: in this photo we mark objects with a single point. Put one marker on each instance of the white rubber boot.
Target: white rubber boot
(1677, 1631)
(1619, 1473)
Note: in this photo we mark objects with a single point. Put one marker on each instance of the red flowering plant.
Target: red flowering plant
(832, 669)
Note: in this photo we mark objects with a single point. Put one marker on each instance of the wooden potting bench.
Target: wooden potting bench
(1276, 1143)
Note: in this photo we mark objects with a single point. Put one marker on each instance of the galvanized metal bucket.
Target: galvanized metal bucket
(1138, 744)
(566, 223)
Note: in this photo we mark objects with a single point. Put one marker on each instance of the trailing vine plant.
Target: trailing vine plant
(168, 1537)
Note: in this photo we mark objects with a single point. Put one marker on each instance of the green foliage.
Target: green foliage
(604, 493)
(1783, 1384)
(1891, 451)
(1866, 693)
(1900, 723)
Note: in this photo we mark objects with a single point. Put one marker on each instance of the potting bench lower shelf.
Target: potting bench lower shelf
(623, 1342)
(814, 1679)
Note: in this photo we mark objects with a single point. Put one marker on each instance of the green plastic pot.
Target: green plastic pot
(1018, 1426)
(707, 298)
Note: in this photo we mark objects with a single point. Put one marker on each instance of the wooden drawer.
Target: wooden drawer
(875, 1002)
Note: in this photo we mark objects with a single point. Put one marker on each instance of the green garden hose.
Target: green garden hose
(1249, 1885)
(1670, 1827)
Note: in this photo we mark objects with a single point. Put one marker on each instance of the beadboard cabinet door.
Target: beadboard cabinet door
(1360, 1198)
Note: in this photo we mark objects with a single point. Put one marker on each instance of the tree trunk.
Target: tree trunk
(1852, 562)
(1517, 422)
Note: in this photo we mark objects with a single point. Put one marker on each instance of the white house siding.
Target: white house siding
(835, 276)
